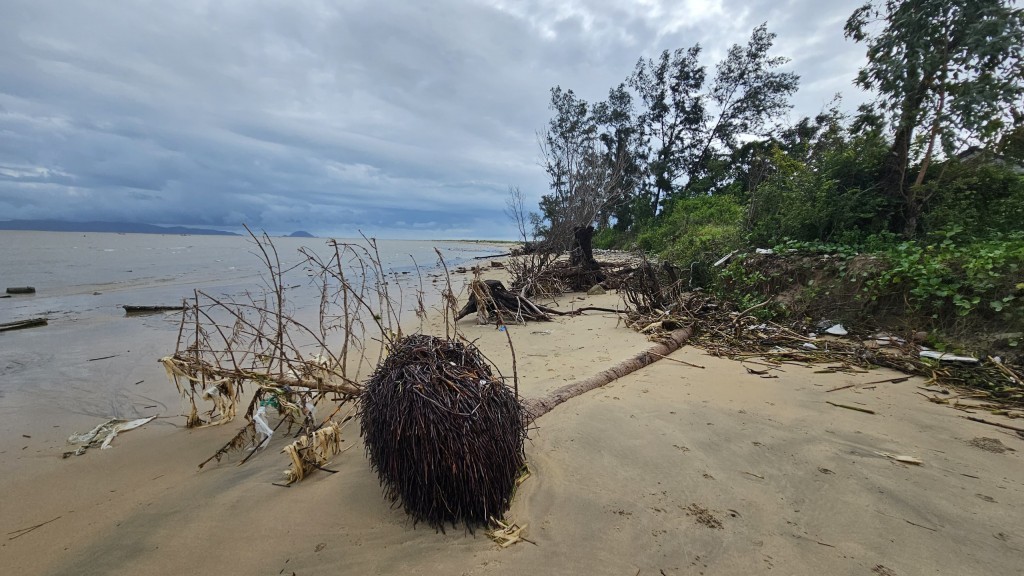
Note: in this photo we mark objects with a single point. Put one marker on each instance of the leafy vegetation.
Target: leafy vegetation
(949, 69)
(917, 199)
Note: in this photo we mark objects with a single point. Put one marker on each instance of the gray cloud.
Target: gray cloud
(400, 119)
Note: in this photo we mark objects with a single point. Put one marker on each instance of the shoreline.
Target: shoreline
(671, 468)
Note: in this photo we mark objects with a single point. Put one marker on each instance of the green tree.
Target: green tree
(945, 69)
(820, 183)
(749, 92)
(671, 120)
(691, 129)
(620, 138)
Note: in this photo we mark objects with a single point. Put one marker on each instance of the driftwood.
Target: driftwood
(132, 310)
(504, 306)
(538, 407)
(19, 324)
(990, 423)
(21, 290)
(499, 301)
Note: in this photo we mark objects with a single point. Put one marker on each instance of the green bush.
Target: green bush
(609, 238)
(832, 198)
(745, 289)
(980, 198)
(692, 230)
(957, 277)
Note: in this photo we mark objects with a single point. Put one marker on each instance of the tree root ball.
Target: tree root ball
(444, 435)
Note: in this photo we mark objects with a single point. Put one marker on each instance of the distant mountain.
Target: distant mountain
(117, 227)
(301, 234)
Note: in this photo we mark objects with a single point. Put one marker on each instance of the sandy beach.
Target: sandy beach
(670, 470)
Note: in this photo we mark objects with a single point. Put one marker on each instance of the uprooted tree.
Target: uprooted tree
(586, 169)
(225, 346)
(441, 427)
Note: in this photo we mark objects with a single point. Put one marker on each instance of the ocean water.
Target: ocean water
(92, 361)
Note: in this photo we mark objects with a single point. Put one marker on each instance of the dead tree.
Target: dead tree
(585, 178)
(498, 300)
(587, 271)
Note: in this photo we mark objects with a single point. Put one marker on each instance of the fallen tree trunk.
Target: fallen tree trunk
(538, 407)
(20, 324)
(499, 301)
(134, 310)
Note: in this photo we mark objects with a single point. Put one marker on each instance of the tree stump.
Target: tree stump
(581, 259)
(498, 301)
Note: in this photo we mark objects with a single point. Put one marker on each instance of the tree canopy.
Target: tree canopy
(949, 70)
(665, 133)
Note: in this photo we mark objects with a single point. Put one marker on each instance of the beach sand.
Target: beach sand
(670, 470)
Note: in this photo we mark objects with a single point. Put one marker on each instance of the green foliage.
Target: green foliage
(689, 127)
(695, 186)
(745, 288)
(982, 198)
(671, 118)
(947, 70)
(695, 230)
(829, 197)
(609, 238)
(956, 276)
(952, 64)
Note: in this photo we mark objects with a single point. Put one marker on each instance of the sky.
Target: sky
(397, 119)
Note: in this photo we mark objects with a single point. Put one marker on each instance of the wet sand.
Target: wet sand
(673, 470)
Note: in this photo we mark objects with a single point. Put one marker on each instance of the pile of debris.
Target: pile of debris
(724, 330)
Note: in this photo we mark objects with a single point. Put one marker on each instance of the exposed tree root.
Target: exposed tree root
(499, 301)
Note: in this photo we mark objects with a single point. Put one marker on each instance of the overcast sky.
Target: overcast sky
(401, 119)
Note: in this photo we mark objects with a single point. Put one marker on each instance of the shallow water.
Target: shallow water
(91, 360)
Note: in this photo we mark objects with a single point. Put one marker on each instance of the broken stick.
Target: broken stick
(848, 407)
(676, 360)
(23, 531)
(990, 423)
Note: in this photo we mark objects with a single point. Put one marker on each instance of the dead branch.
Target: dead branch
(499, 301)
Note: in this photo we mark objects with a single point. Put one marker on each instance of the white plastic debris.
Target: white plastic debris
(724, 259)
(883, 339)
(901, 458)
(809, 346)
(764, 251)
(837, 330)
(106, 432)
(259, 420)
(947, 357)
